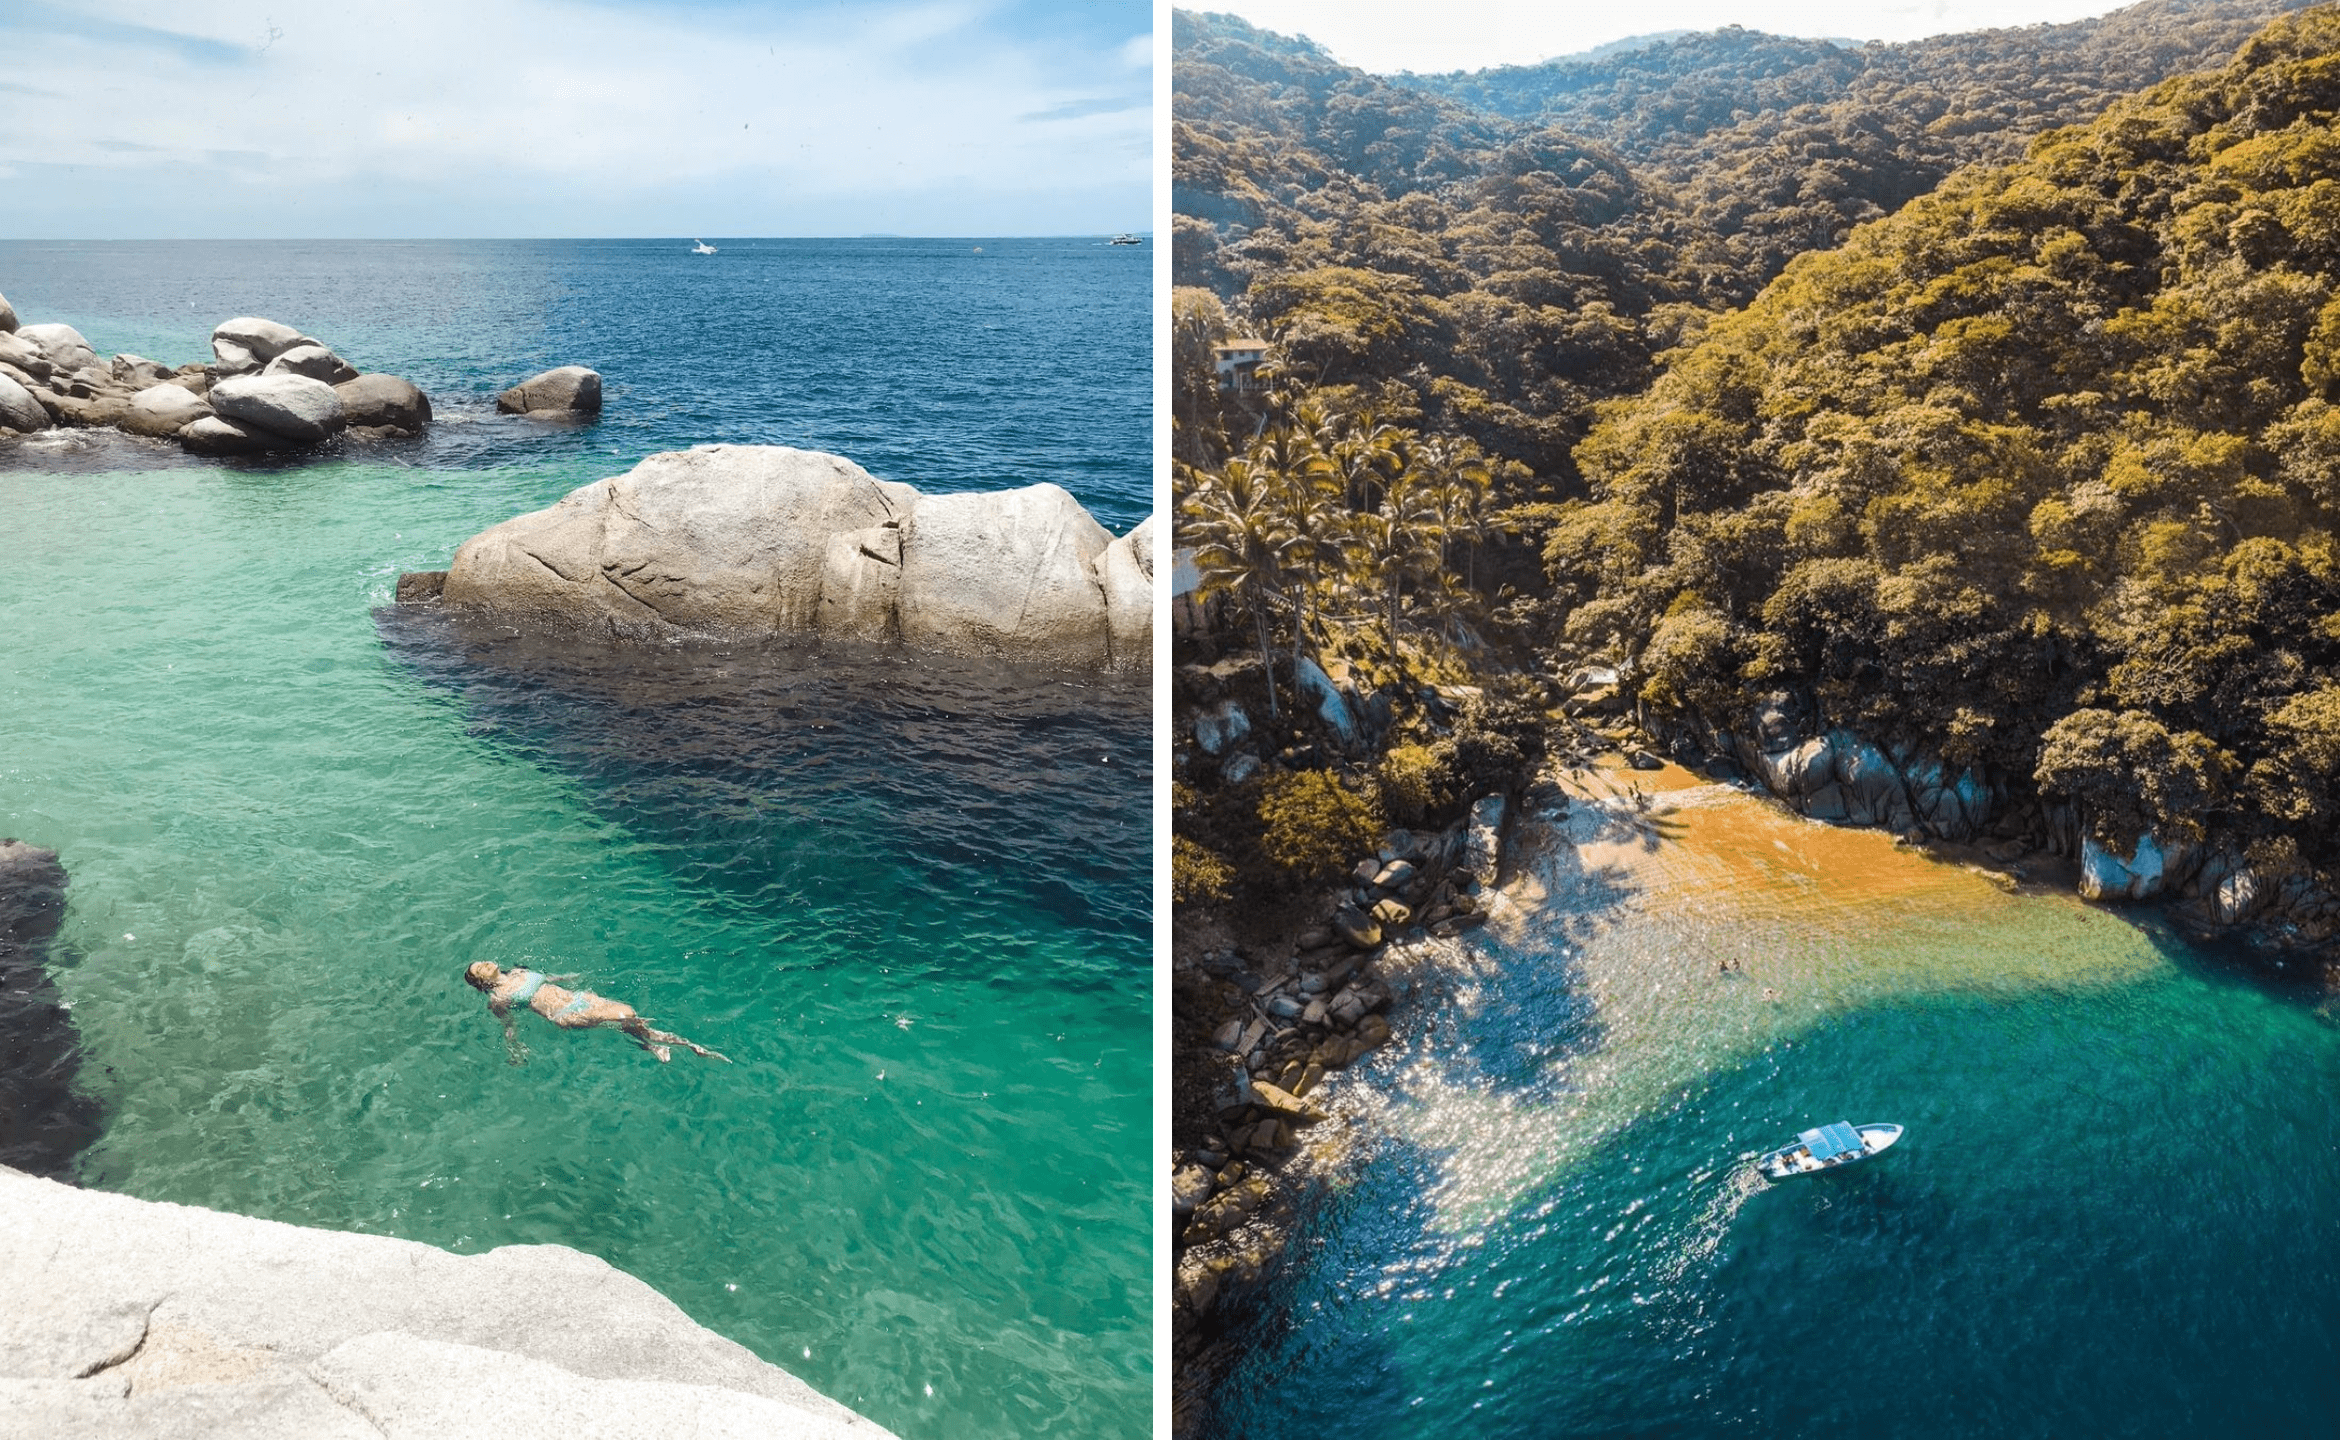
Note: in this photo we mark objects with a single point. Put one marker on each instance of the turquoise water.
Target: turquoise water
(2112, 1213)
(909, 901)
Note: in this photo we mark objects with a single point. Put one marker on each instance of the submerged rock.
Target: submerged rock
(571, 392)
(758, 542)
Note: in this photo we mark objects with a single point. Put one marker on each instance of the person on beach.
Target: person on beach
(569, 1009)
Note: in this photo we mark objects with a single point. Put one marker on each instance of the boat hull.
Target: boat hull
(1789, 1161)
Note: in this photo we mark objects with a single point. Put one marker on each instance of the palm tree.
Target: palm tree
(1305, 488)
(1387, 545)
(1241, 537)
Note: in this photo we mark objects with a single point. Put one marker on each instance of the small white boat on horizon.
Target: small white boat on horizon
(701, 247)
(1125, 240)
(1830, 1147)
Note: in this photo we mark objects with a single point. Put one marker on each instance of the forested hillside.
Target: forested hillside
(2042, 472)
(1475, 270)
(1777, 145)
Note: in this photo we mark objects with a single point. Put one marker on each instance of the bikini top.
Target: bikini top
(530, 983)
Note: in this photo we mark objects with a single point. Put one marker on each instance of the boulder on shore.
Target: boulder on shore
(7, 317)
(571, 392)
(19, 410)
(218, 436)
(384, 405)
(1006, 573)
(62, 346)
(314, 361)
(291, 406)
(245, 345)
(762, 542)
(137, 1319)
(163, 410)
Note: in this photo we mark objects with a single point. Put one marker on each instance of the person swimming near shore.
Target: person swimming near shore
(569, 1009)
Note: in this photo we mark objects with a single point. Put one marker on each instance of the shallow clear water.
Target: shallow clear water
(2111, 1213)
(909, 901)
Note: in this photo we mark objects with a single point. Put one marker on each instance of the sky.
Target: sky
(1387, 38)
(555, 118)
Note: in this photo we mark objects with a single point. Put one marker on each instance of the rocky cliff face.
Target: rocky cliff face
(126, 1319)
(758, 542)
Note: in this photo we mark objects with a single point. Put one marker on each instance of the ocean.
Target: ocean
(911, 900)
(2110, 1213)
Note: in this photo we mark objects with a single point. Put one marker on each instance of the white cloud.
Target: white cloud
(532, 117)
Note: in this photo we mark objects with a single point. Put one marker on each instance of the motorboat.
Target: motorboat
(1828, 1148)
(701, 247)
(1125, 240)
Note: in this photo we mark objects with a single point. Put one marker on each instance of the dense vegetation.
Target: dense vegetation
(1777, 145)
(2043, 471)
(1494, 273)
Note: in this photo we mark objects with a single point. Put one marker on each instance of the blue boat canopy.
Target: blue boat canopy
(1830, 1141)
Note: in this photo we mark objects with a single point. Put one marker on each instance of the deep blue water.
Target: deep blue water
(909, 899)
(950, 364)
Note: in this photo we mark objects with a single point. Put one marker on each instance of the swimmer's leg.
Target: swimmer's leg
(656, 1041)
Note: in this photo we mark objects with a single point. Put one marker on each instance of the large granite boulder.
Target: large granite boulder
(62, 346)
(571, 392)
(19, 410)
(314, 361)
(7, 317)
(718, 540)
(163, 410)
(1125, 572)
(128, 1319)
(764, 542)
(292, 406)
(1007, 573)
(245, 345)
(384, 406)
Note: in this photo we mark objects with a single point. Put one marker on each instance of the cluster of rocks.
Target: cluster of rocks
(1282, 1033)
(758, 542)
(268, 387)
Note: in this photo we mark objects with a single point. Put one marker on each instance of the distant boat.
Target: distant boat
(701, 247)
(1125, 240)
(1827, 1148)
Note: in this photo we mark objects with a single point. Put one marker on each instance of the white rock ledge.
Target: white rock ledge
(128, 1319)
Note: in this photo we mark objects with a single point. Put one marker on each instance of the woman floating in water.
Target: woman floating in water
(569, 1009)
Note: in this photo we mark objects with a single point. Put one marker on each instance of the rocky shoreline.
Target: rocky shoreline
(268, 389)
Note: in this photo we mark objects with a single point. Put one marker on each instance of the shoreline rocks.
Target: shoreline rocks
(754, 542)
(570, 392)
(267, 388)
(129, 1318)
